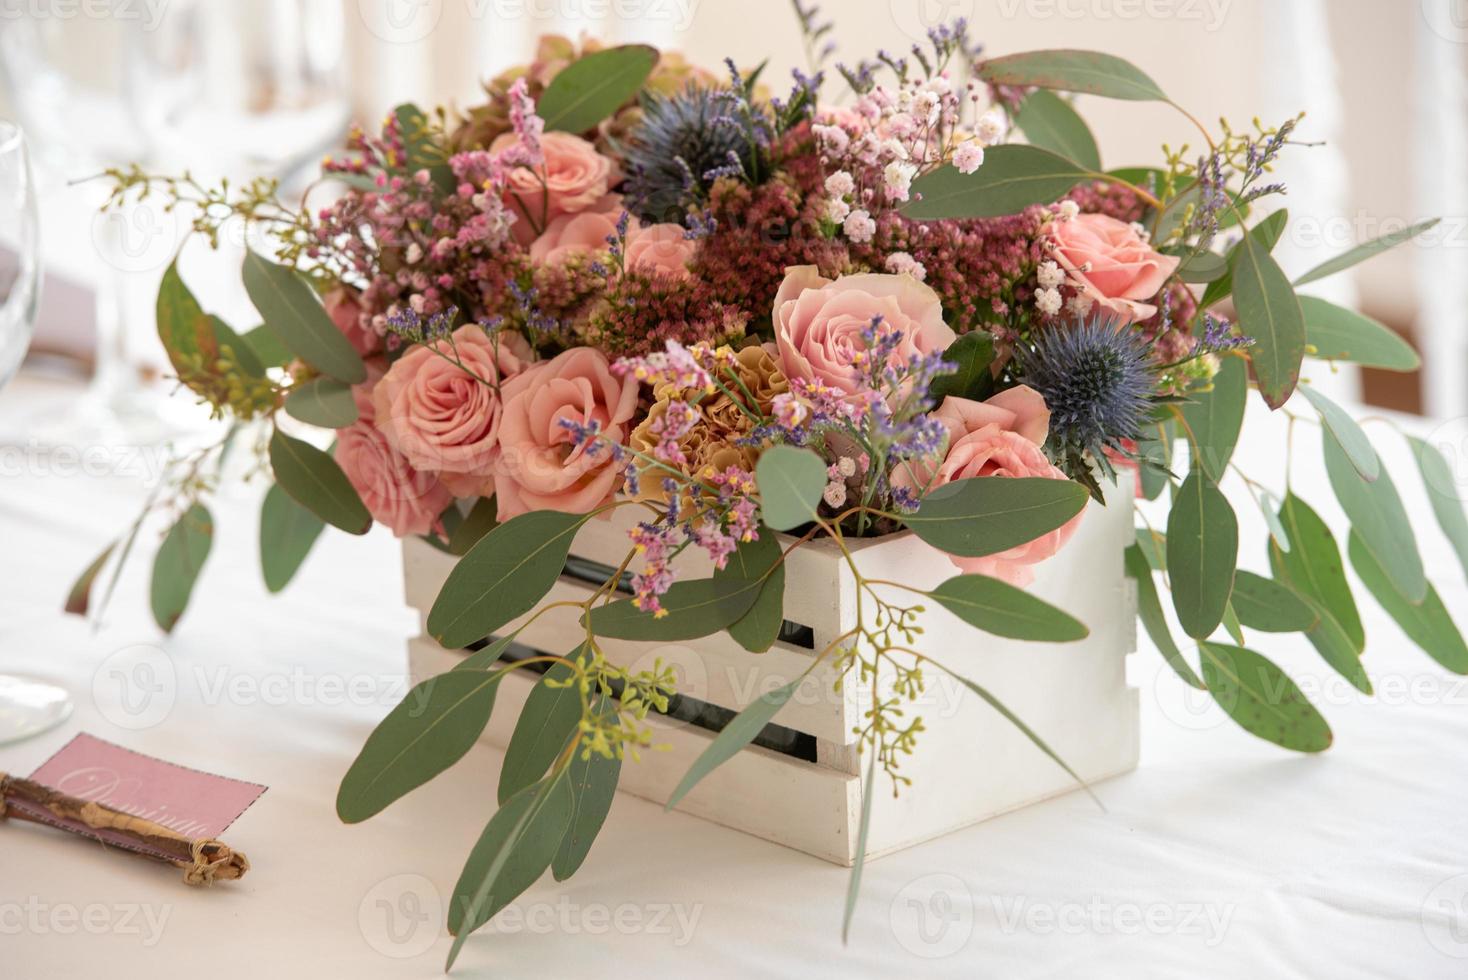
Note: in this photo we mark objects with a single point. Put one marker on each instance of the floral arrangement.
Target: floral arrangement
(624, 281)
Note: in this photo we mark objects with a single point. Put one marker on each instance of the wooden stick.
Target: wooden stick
(203, 861)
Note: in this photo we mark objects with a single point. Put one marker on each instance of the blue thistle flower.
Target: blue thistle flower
(1098, 381)
(682, 143)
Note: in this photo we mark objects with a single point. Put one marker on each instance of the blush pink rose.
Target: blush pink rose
(661, 248)
(444, 418)
(998, 437)
(572, 179)
(344, 306)
(1107, 260)
(540, 467)
(819, 322)
(579, 233)
(404, 499)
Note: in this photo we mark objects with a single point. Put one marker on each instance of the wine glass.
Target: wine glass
(27, 707)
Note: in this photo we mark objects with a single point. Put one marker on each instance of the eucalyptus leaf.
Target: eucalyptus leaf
(1202, 552)
(186, 330)
(433, 727)
(1313, 566)
(487, 656)
(1266, 233)
(1203, 267)
(78, 597)
(973, 353)
(503, 576)
(1330, 640)
(268, 350)
(1269, 508)
(325, 402)
(1364, 251)
(1216, 417)
(1445, 494)
(1269, 312)
(1378, 516)
(1012, 177)
(1269, 606)
(550, 716)
(1153, 545)
(593, 778)
(1000, 608)
(763, 560)
(316, 482)
(988, 514)
(1149, 611)
(1427, 624)
(244, 354)
(1339, 334)
(1051, 123)
(859, 858)
(1090, 72)
(483, 517)
(1348, 434)
(691, 610)
(791, 481)
(1262, 698)
(292, 311)
(177, 565)
(287, 532)
(594, 86)
(739, 732)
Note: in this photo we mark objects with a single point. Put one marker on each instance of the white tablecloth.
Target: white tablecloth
(1220, 856)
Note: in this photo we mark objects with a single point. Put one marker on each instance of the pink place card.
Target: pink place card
(191, 803)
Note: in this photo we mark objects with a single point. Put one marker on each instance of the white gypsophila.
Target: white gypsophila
(837, 210)
(414, 254)
(840, 184)
(1050, 275)
(859, 226)
(902, 263)
(898, 178)
(968, 157)
(1141, 231)
(1068, 210)
(1047, 301)
(835, 494)
(1081, 303)
(834, 139)
(846, 466)
(990, 127)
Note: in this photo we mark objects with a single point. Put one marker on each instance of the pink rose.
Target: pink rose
(405, 499)
(344, 306)
(998, 437)
(444, 418)
(574, 178)
(540, 467)
(579, 233)
(662, 248)
(819, 322)
(1108, 261)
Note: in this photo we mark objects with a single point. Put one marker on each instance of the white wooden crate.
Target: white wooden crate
(970, 764)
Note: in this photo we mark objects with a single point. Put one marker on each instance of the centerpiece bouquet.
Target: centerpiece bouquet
(902, 297)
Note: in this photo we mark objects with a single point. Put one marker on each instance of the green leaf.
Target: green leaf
(593, 87)
(1266, 233)
(316, 482)
(1051, 123)
(762, 559)
(1000, 608)
(853, 884)
(1313, 566)
(79, 597)
(1377, 514)
(973, 353)
(1269, 509)
(1231, 623)
(551, 715)
(1156, 454)
(593, 782)
(1154, 548)
(1202, 551)
(738, 733)
(177, 565)
(1427, 624)
(421, 149)
(287, 532)
(1013, 177)
(790, 482)
(1334, 644)
(433, 727)
(1149, 611)
(266, 346)
(1269, 312)
(1339, 334)
(244, 354)
(692, 610)
(1203, 267)
(1365, 251)
(488, 655)
(985, 515)
(1443, 491)
(503, 576)
(322, 401)
(483, 518)
(1025, 730)
(1090, 72)
(516, 847)
(1262, 698)
(1269, 606)
(1348, 434)
(186, 330)
(291, 310)
(1216, 417)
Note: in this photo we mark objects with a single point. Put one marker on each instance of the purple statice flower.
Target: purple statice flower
(1218, 336)
(657, 545)
(677, 366)
(584, 436)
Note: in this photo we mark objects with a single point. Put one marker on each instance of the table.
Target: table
(1220, 856)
